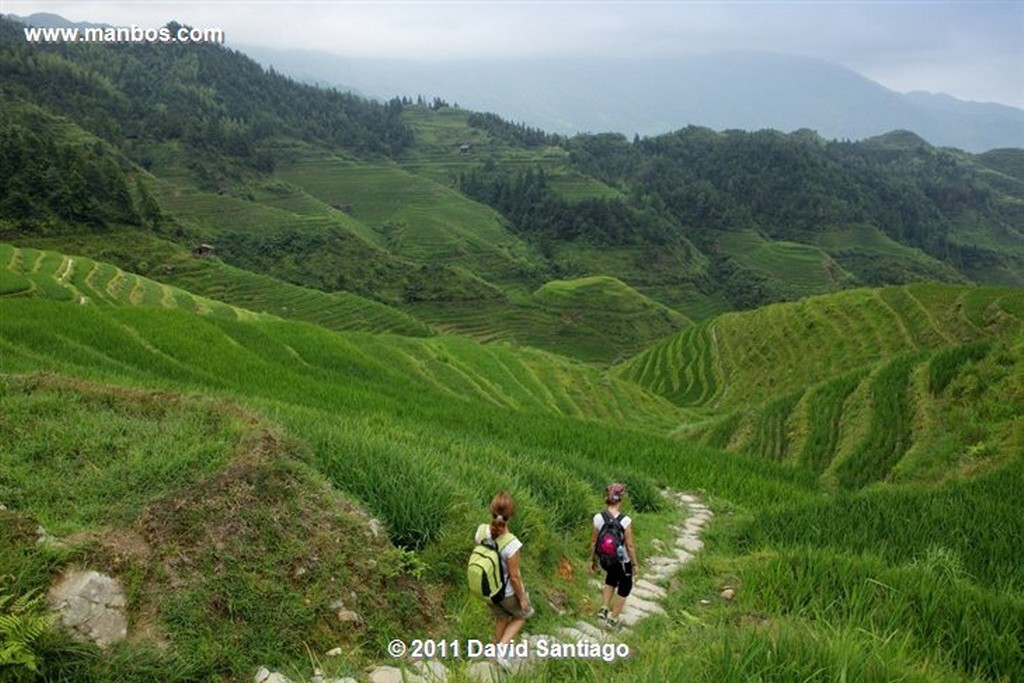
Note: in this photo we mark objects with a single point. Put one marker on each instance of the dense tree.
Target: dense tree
(49, 172)
(216, 101)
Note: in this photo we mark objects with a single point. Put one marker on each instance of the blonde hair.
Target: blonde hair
(502, 509)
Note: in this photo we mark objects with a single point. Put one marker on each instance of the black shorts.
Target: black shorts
(620, 577)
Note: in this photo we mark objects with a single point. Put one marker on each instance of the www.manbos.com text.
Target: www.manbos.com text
(122, 34)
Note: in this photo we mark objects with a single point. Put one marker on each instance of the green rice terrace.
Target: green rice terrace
(224, 463)
(268, 350)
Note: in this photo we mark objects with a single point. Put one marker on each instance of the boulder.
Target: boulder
(92, 606)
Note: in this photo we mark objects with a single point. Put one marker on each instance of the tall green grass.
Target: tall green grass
(978, 519)
(423, 431)
(945, 364)
(107, 468)
(889, 434)
(924, 606)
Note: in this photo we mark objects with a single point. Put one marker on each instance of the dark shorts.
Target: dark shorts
(508, 608)
(620, 577)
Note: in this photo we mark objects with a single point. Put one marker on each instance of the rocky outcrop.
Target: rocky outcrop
(91, 605)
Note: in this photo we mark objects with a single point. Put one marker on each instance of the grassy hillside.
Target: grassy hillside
(185, 281)
(438, 152)
(291, 422)
(498, 375)
(35, 273)
(822, 337)
(306, 424)
(414, 217)
(858, 387)
(598, 319)
(801, 268)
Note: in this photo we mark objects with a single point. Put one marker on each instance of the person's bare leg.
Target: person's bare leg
(511, 630)
(617, 604)
(500, 626)
(607, 595)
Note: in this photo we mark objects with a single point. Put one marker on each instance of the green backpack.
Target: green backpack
(484, 572)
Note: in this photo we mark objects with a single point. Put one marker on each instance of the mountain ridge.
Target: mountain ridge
(744, 90)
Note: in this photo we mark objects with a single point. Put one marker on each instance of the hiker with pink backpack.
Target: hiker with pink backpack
(612, 544)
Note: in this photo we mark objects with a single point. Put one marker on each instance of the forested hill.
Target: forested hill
(212, 99)
(423, 205)
(955, 207)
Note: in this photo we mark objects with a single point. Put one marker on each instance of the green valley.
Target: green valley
(268, 350)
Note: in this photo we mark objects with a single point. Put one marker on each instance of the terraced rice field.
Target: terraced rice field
(799, 268)
(65, 278)
(848, 385)
(339, 311)
(413, 216)
(500, 375)
(681, 368)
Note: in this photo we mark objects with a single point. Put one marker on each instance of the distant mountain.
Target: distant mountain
(748, 91)
(49, 20)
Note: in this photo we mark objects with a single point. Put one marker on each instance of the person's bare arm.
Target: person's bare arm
(629, 545)
(515, 577)
(593, 544)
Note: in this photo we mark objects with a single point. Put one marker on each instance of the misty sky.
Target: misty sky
(971, 50)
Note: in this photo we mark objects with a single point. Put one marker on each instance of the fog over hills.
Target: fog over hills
(649, 96)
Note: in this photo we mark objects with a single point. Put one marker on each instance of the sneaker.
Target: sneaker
(503, 662)
(613, 624)
(602, 614)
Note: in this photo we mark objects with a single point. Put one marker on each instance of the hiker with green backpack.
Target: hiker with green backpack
(611, 542)
(494, 573)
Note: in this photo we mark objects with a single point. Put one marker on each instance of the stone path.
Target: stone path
(644, 601)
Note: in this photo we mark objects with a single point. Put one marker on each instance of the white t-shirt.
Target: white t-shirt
(599, 521)
(511, 548)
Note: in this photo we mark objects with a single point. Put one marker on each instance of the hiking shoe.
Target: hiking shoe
(602, 614)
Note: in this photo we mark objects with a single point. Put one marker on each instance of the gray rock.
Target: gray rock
(484, 672)
(637, 603)
(375, 527)
(92, 606)
(386, 674)
(265, 675)
(430, 670)
(345, 614)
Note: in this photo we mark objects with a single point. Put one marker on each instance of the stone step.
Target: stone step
(646, 593)
(583, 631)
(572, 634)
(648, 587)
(631, 617)
(661, 561)
(647, 606)
(661, 576)
(693, 545)
(430, 670)
(692, 530)
(684, 556)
